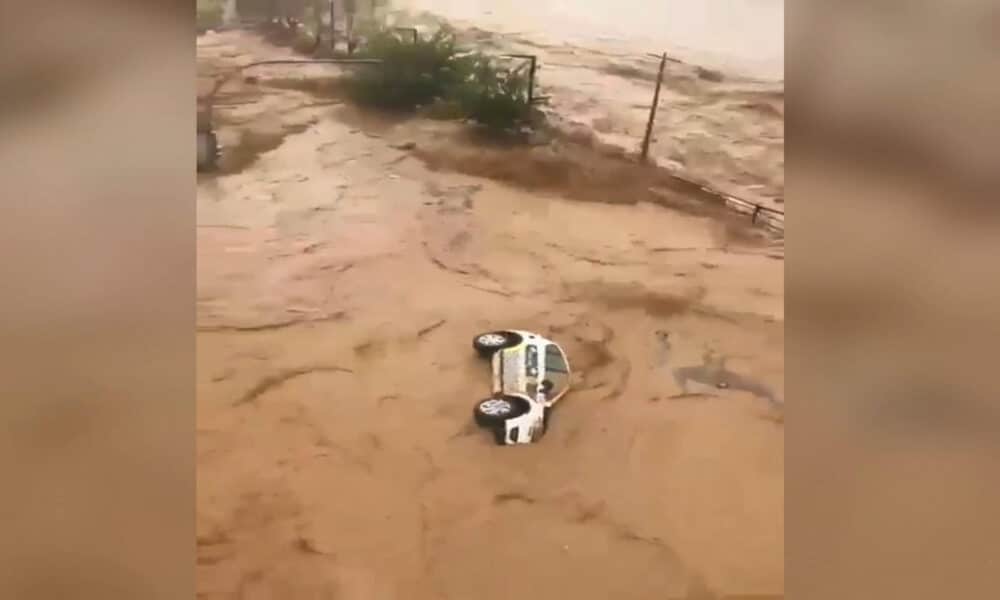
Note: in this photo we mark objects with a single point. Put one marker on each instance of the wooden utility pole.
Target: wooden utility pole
(350, 8)
(652, 109)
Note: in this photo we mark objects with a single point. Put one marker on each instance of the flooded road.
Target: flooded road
(345, 262)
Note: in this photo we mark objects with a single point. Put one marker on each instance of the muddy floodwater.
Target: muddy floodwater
(721, 116)
(738, 36)
(345, 261)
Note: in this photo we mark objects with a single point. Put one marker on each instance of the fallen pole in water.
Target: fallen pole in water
(226, 77)
(652, 109)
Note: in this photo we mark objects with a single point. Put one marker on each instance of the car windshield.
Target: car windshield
(554, 360)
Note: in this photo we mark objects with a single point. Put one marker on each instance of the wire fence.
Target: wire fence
(765, 216)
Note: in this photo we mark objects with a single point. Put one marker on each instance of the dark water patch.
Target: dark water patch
(719, 377)
(614, 296)
(252, 144)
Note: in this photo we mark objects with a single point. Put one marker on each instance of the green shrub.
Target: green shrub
(491, 97)
(305, 43)
(411, 74)
(432, 72)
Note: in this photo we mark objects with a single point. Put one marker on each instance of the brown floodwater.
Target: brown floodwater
(343, 268)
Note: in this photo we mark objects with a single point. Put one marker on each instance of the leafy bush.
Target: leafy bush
(432, 72)
(412, 74)
(305, 43)
(491, 97)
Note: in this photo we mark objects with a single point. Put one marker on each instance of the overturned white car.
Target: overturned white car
(530, 374)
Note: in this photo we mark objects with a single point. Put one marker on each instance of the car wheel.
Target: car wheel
(487, 344)
(496, 410)
(500, 435)
(208, 151)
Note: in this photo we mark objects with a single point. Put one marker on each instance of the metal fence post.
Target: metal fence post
(652, 109)
(531, 80)
(533, 69)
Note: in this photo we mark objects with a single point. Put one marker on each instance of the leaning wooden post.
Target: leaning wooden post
(531, 79)
(350, 8)
(652, 109)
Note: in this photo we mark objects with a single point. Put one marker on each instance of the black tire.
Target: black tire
(489, 343)
(490, 412)
(500, 435)
(208, 151)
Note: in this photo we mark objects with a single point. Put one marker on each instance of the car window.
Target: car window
(531, 365)
(554, 360)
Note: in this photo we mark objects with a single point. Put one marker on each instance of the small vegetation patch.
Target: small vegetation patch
(413, 73)
(252, 143)
(422, 73)
(492, 97)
